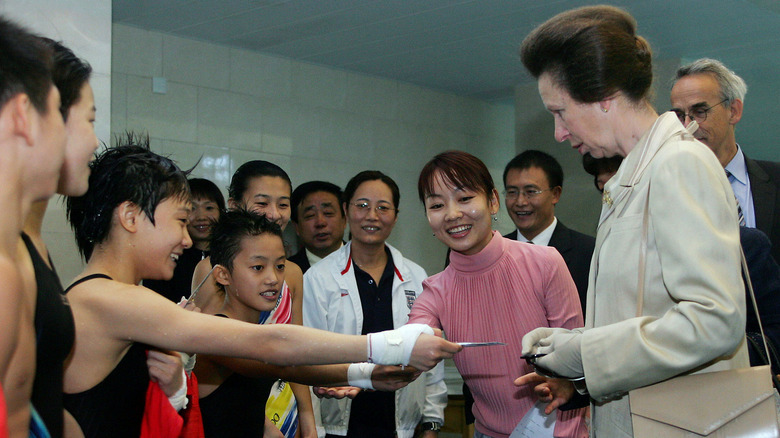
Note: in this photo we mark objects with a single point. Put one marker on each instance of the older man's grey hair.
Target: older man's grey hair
(732, 87)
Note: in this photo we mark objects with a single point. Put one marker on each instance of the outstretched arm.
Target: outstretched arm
(137, 314)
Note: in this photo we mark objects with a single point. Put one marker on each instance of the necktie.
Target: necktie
(740, 215)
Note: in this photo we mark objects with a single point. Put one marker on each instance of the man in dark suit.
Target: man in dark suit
(319, 221)
(709, 93)
(533, 183)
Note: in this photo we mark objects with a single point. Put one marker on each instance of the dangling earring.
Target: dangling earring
(495, 218)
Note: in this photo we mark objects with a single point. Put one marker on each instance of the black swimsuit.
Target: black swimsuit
(54, 334)
(115, 406)
(236, 409)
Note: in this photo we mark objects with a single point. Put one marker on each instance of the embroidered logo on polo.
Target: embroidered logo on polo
(410, 297)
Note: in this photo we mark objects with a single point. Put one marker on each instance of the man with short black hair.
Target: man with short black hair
(319, 221)
(707, 92)
(533, 183)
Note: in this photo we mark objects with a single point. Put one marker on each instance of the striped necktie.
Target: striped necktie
(740, 215)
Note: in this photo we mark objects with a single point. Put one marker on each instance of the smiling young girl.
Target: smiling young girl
(207, 204)
(265, 188)
(494, 289)
(248, 257)
(132, 224)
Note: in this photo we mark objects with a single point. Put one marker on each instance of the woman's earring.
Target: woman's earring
(604, 109)
(495, 218)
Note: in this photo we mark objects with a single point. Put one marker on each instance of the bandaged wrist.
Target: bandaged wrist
(179, 400)
(394, 347)
(359, 374)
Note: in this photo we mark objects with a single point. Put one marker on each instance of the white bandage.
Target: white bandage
(359, 374)
(394, 347)
(179, 400)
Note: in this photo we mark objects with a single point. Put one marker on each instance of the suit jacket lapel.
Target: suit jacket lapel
(561, 239)
(764, 194)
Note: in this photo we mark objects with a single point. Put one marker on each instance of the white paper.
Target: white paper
(535, 423)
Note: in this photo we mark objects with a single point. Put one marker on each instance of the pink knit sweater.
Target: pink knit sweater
(500, 294)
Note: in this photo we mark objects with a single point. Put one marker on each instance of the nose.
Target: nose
(452, 212)
(273, 278)
(272, 213)
(372, 213)
(186, 240)
(319, 221)
(561, 133)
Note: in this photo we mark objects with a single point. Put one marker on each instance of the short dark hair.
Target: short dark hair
(302, 191)
(371, 175)
(458, 168)
(591, 52)
(69, 73)
(201, 188)
(533, 158)
(231, 229)
(127, 172)
(25, 65)
(250, 170)
(595, 166)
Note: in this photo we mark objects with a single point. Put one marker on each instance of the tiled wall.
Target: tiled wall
(226, 106)
(85, 27)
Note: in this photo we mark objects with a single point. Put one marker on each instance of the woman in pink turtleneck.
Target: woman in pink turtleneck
(494, 289)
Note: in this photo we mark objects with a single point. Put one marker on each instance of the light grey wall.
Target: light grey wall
(85, 27)
(226, 106)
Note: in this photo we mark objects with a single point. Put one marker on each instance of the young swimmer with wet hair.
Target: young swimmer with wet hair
(132, 224)
(247, 253)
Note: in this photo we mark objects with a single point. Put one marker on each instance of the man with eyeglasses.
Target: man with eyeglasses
(707, 92)
(533, 183)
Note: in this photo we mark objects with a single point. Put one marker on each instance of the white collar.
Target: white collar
(542, 238)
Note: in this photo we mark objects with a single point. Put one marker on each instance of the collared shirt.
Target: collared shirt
(373, 413)
(740, 183)
(542, 238)
(313, 258)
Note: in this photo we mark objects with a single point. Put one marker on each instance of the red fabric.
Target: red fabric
(3, 419)
(193, 422)
(160, 419)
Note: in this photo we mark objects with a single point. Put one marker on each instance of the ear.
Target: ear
(222, 275)
(344, 210)
(232, 204)
(606, 104)
(129, 216)
(493, 202)
(298, 226)
(735, 112)
(556, 193)
(21, 111)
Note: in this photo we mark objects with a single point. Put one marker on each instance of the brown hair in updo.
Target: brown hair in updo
(592, 53)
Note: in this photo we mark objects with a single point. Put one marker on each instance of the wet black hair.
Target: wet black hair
(231, 229)
(250, 170)
(69, 74)
(25, 65)
(127, 172)
(302, 191)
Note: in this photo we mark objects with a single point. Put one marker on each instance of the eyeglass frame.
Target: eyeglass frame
(364, 207)
(527, 194)
(706, 112)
